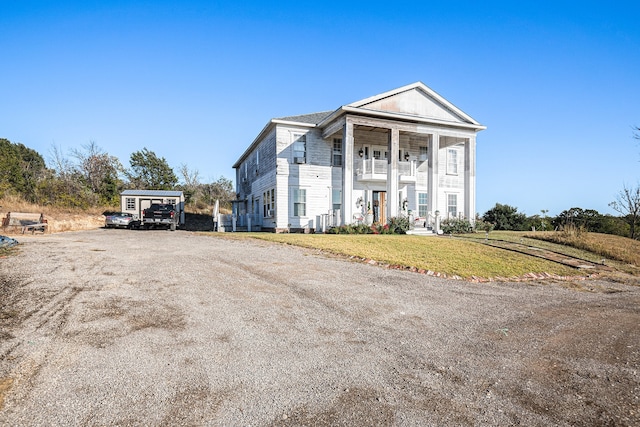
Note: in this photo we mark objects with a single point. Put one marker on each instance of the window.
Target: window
(299, 148)
(422, 205)
(336, 159)
(452, 205)
(424, 153)
(376, 154)
(269, 203)
(299, 202)
(130, 203)
(336, 199)
(452, 161)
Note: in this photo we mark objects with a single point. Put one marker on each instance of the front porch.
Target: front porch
(398, 158)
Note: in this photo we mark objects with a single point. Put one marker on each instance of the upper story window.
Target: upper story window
(336, 158)
(452, 161)
(257, 161)
(299, 148)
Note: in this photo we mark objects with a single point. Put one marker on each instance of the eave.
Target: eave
(272, 123)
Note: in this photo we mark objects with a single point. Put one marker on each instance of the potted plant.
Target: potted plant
(368, 217)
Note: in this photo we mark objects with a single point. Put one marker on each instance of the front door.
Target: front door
(380, 207)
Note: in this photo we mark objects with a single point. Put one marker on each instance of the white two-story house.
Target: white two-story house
(408, 152)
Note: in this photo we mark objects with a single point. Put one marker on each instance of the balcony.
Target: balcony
(375, 170)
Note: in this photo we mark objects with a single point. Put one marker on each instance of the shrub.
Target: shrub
(399, 224)
(396, 225)
(456, 226)
(350, 229)
(485, 226)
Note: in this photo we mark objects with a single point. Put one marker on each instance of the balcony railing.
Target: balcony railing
(376, 170)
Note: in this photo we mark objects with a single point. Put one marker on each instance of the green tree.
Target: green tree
(222, 190)
(150, 172)
(20, 169)
(505, 217)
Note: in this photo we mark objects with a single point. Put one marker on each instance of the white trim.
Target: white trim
(417, 85)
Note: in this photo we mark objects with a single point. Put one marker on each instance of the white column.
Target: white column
(470, 179)
(432, 197)
(347, 173)
(392, 173)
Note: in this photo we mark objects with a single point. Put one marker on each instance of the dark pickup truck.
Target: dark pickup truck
(161, 215)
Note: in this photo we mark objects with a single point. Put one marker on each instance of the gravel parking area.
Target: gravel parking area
(153, 328)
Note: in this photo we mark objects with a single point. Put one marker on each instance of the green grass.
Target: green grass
(443, 255)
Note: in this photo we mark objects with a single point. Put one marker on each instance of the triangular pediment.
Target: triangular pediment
(415, 100)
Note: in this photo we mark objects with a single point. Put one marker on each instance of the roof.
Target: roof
(378, 106)
(373, 104)
(167, 193)
(312, 118)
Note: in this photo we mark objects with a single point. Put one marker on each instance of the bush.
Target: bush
(351, 229)
(396, 225)
(485, 226)
(399, 224)
(505, 217)
(456, 226)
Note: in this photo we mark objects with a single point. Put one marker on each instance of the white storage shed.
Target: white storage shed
(135, 201)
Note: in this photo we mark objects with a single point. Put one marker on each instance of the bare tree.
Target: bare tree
(627, 203)
(191, 178)
(96, 166)
(190, 185)
(61, 164)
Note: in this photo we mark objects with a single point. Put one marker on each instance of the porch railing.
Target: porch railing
(234, 222)
(373, 167)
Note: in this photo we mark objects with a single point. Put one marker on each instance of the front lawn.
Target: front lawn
(439, 254)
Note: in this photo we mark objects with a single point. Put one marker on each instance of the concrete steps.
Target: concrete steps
(422, 232)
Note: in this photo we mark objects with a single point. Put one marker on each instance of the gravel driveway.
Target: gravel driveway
(118, 327)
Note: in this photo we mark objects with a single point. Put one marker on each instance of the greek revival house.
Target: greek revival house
(406, 152)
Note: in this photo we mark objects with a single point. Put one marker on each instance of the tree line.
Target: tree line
(505, 217)
(90, 177)
(626, 203)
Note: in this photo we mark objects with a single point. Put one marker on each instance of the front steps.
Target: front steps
(422, 232)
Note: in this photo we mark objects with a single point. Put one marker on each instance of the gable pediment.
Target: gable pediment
(415, 100)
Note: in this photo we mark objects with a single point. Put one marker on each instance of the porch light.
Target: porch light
(361, 152)
(406, 156)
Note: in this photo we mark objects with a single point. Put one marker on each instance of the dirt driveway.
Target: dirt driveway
(117, 327)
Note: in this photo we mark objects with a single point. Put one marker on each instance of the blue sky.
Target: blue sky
(556, 83)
